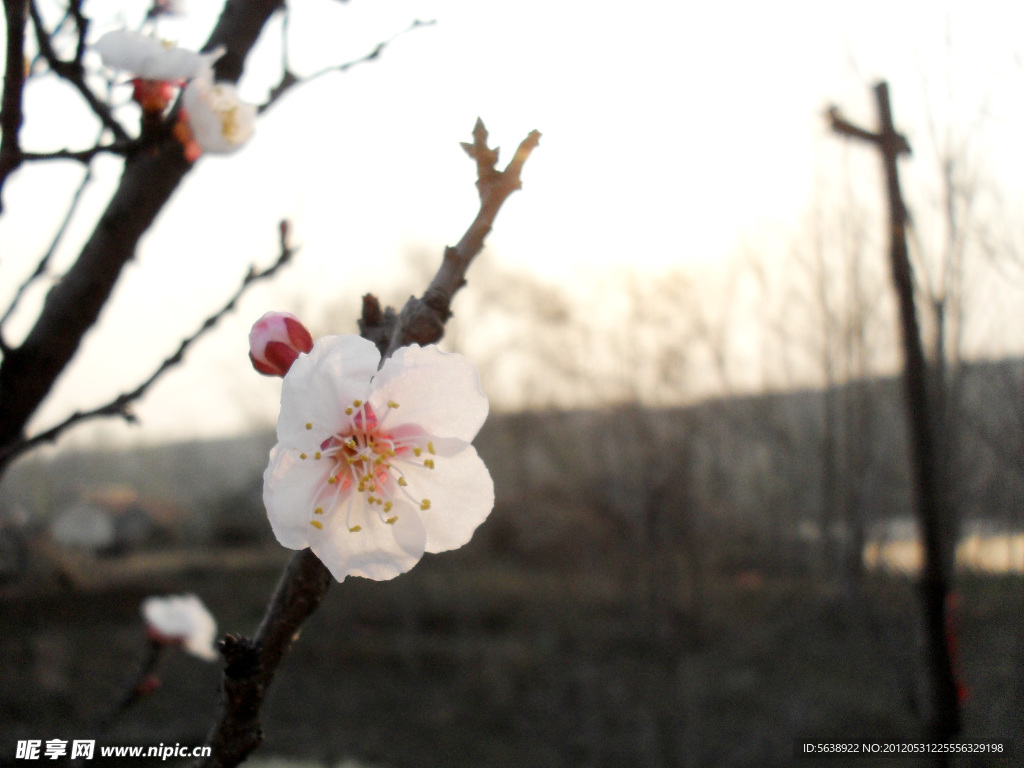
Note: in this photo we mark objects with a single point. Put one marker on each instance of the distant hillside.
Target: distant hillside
(772, 464)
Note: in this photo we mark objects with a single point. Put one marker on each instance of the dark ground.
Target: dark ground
(467, 662)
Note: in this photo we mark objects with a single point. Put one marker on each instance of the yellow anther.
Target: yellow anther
(430, 448)
(317, 524)
(318, 511)
(401, 482)
(332, 480)
(425, 504)
(388, 505)
(417, 451)
(317, 455)
(429, 463)
(392, 404)
(302, 456)
(355, 529)
(309, 425)
(357, 403)
(391, 520)
(348, 411)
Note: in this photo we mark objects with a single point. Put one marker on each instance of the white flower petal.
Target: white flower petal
(220, 121)
(378, 551)
(438, 391)
(321, 384)
(290, 489)
(460, 491)
(366, 489)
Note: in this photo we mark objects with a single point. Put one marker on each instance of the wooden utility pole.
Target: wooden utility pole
(935, 582)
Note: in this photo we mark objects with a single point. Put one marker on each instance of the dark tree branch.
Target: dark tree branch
(121, 405)
(289, 79)
(422, 319)
(15, 12)
(250, 665)
(945, 714)
(73, 305)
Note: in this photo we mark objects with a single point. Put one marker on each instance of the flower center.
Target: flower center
(367, 464)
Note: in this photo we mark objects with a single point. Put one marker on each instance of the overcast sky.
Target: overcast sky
(672, 134)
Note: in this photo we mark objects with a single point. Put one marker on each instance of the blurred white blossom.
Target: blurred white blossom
(151, 58)
(220, 121)
(181, 619)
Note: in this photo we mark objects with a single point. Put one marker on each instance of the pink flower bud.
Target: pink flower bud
(152, 95)
(275, 341)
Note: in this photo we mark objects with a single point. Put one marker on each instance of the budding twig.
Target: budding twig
(250, 665)
(422, 319)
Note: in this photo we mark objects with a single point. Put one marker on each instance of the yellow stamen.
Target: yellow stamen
(429, 463)
(401, 482)
(425, 504)
(302, 456)
(348, 411)
(317, 524)
(355, 529)
(392, 404)
(317, 455)
(388, 505)
(391, 520)
(357, 403)
(332, 480)
(430, 447)
(309, 425)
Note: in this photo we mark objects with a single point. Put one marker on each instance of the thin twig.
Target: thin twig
(73, 72)
(121, 405)
(44, 262)
(81, 155)
(289, 79)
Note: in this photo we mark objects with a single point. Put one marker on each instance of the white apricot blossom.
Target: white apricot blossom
(184, 620)
(151, 58)
(374, 468)
(220, 121)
